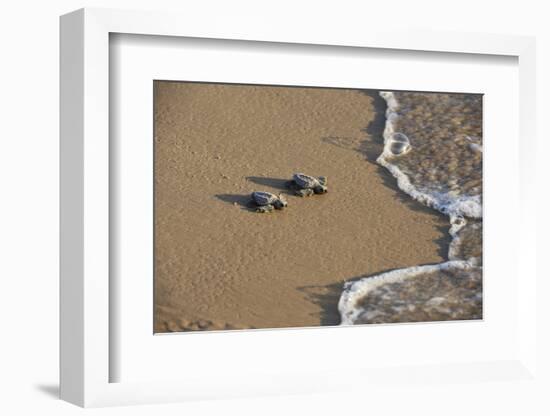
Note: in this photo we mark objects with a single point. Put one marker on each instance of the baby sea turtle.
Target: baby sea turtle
(305, 185)
(266, 201)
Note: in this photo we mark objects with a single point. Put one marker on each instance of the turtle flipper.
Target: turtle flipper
(264, 208)
(304, 192)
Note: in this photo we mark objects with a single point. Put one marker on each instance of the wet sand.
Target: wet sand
(219, 265)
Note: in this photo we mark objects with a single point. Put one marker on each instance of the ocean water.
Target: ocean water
(467, 243)
(442, 166)
(441, 292)
(433, 147)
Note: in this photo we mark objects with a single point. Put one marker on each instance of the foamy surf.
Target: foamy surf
(446, 291)
(466, 243)
(432, 146)
(435, 180)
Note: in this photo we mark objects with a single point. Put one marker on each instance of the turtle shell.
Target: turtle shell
(305, 181)
(264, 198)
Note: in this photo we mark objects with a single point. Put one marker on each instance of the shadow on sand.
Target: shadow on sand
(326, 297)
(240, 200)
(373, 145)
(245, 201)
(276, 183)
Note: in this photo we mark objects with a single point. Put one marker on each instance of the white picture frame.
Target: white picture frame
(86, 355)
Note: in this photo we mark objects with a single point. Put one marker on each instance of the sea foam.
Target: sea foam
(450, 290)
(451, 202)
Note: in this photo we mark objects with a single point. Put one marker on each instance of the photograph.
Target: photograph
(292, 206)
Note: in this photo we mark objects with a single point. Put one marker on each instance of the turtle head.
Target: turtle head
(320, 189)
(281, 202)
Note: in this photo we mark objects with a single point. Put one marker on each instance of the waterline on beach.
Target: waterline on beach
(433, 147)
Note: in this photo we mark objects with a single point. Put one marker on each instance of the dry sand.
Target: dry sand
(218, 265)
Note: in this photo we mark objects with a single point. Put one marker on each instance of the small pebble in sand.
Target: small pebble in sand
(184, 323)
(203, 324)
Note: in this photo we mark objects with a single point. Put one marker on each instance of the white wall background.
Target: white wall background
(29, 189)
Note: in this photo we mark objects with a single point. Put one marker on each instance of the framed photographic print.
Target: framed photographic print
(246, 214)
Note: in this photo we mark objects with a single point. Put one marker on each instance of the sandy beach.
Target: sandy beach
(218, 264)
